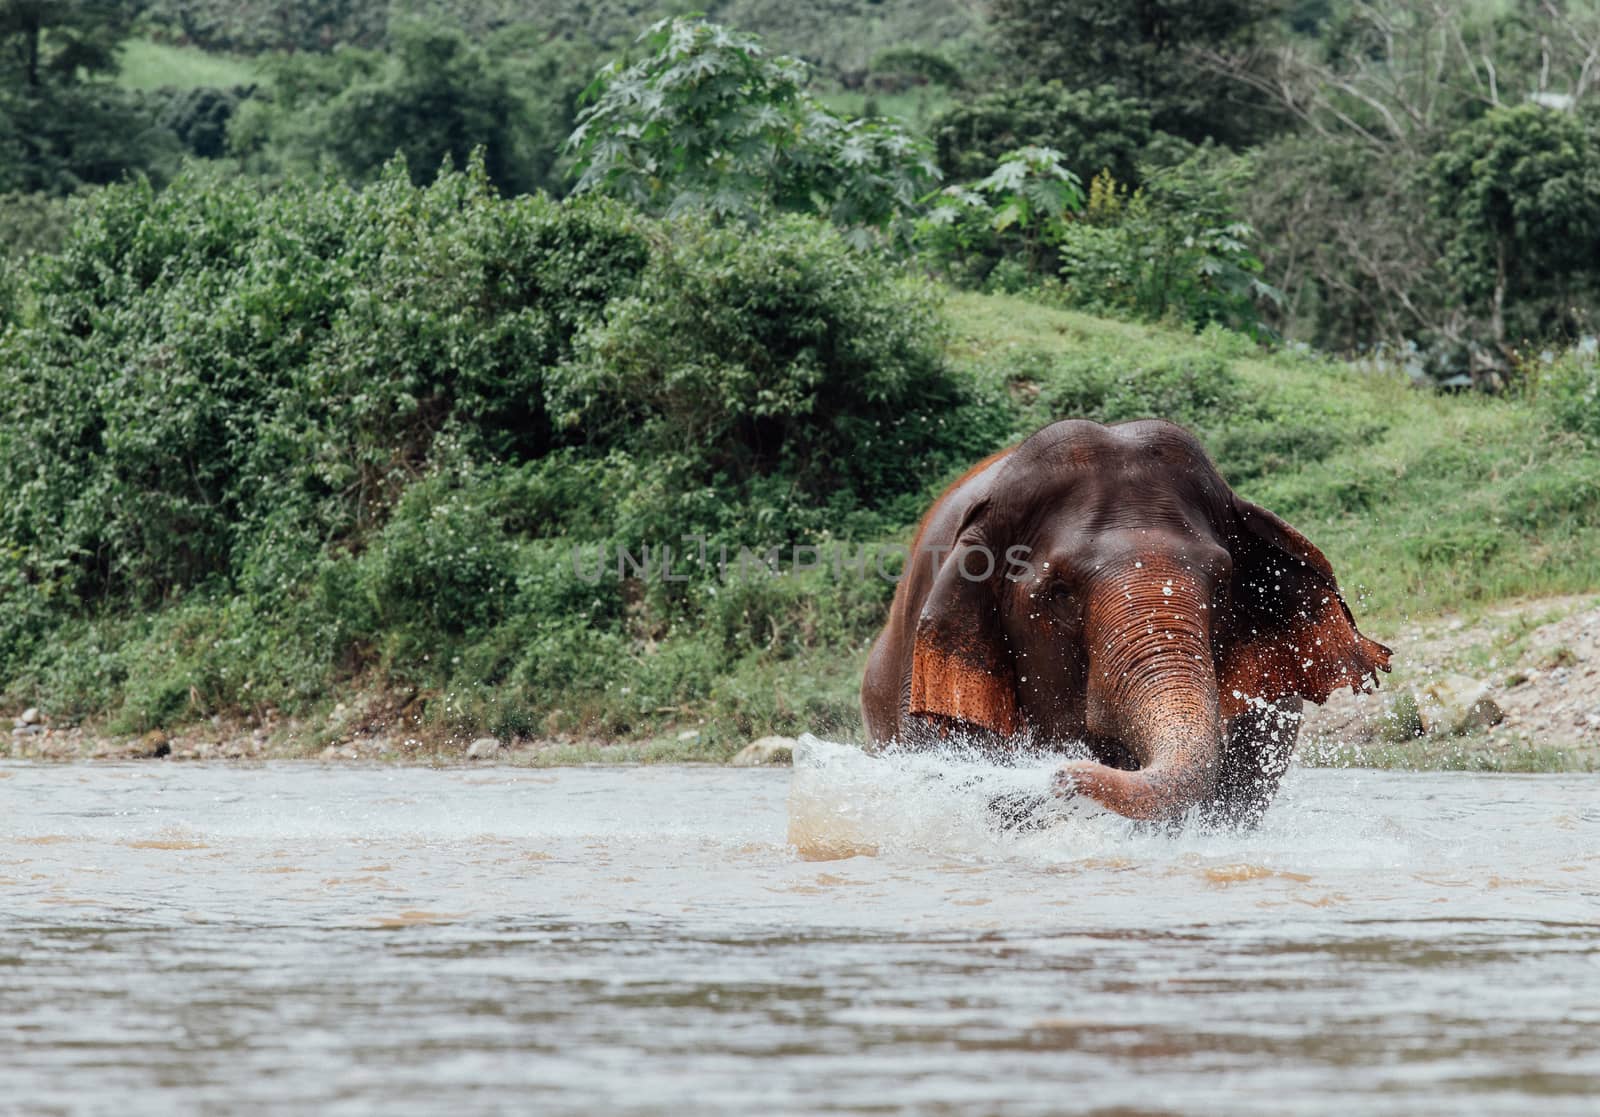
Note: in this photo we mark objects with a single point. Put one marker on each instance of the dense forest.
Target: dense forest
(333, 333)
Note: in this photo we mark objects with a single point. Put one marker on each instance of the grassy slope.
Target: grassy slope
(915, 108)
(1460, 501)
(152, 65)
(1423, 503)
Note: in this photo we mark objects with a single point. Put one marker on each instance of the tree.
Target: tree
(49, 42)
(434, 99)
(1348, 229)
(1519, 192)
(708, 120)
(1146, 50)
(60, 126)
(1095, 129)
(1019, 210)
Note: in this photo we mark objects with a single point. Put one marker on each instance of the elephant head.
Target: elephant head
(1105, 585)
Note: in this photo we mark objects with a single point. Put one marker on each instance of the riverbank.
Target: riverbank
(1537, 661)
(453, 615)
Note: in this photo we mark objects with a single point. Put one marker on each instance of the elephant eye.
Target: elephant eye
(1063, 599)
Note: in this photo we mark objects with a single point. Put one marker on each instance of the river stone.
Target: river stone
(767, 750)
(1456, 704)
(484, 748)
(30, 716)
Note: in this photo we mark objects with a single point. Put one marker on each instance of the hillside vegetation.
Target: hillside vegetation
(387, 356)
(268, 449)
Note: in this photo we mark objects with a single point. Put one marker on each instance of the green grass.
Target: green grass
(150, 65)
(915, 108)
(1423, 502)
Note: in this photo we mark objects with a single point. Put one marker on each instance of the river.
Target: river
(295, 938)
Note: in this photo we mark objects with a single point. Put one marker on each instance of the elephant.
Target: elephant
(1102, 587)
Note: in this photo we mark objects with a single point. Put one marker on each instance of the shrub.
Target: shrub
(442, 562)
(1094, 129)
(32, 223)
(1569, 392)
(773, 379)
(217, 367)
(708, 120)
(434, 96)
(199, 117)
(1017, 215)
(263, 439)
(1175, 248)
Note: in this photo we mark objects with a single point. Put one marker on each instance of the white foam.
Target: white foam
(955, 803)
(951, 801)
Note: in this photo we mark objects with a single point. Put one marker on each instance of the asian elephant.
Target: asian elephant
(1103, 585)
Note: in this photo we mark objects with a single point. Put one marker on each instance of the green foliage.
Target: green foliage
(1176, 248)
(777, 368)
(443, 562)
(1569, 392)
(60, 128)
(31, 223)
(1518, 193)
(217, 367)
(1094, 129)
(1020, 210)
(199, 117)
(434, 98)
(840, 38)
(708, 120)
(257, 26)
(263, 440)
(1147, 52)
(913, 65)
(59, 43)
(1347, 235)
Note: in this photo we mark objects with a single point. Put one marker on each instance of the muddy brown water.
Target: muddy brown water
(296, 938)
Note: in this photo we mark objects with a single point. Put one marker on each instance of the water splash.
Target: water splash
(959, 803)
(952, 801)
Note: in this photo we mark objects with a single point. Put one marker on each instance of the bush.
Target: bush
(434, 97)
(1569, 392)
(442, 563)
(1175, 248)
(773, 379)
(1094, 129)
(218, 369)
(32, 223)
(1002, 231)
(262, 440)
(199, 117)
(709, 121)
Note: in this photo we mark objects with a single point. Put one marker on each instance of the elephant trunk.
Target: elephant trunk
(1153, 687)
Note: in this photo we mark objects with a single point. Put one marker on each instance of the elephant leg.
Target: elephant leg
(1256, 748)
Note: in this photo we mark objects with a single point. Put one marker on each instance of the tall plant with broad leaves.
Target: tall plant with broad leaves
(709, 121)
(1174, 249)
(1018, 212)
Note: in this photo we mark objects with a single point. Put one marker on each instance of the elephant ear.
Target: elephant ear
(1292, 633)
(960, 668)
